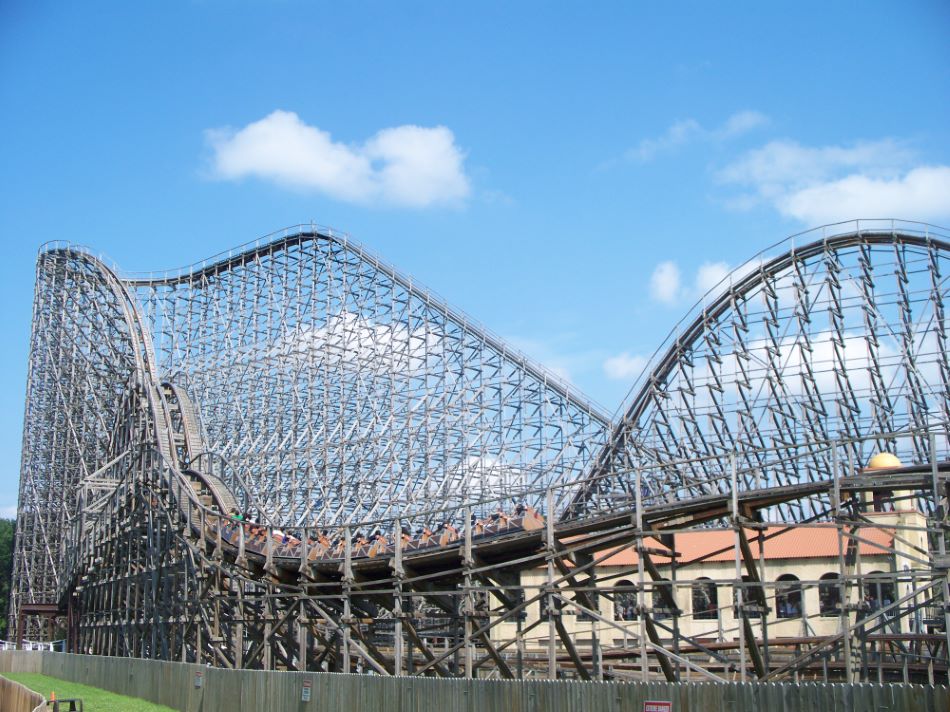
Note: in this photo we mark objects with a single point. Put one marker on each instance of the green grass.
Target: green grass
(94, 699)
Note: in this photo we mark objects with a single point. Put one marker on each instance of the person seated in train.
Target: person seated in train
(501, 518)
(531, 520)
(520, 509)
(288, 545)
(324, 538)
(380, 544)
(415, 538)
(236, 515)
(426, 538)
(261, 539)
(321, 547)
(360, 545)
(371, 542)
(405, 536)
(449, 534)
(234, 533)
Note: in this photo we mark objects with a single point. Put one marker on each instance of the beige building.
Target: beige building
(799, 565)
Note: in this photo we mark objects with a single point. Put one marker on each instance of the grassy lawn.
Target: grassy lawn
(94, 699)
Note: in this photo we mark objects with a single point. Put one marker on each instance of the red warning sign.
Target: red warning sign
(657, 706)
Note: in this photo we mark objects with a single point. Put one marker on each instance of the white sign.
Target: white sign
(657, 706)
(305, 692)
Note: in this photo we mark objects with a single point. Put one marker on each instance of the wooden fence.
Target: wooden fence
(17, 698)
(193, 688)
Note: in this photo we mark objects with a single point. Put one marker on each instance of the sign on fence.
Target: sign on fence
(657, 706)
(199, 678)
(305, 691)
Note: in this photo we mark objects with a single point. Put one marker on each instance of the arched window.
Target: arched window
(788, 597)
(752, 599)
(625, 601)
(705, 599)
(662, 595)
(878, 590)
(829, 595)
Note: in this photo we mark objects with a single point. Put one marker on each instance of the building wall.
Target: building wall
(910, 545)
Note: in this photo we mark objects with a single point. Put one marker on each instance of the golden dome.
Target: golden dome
(883, 461)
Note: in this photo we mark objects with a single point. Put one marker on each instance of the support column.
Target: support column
(641, 593)
(347, 590)
(468, 604)
(552, 612)
(940, 514)
(739, 596)
(302, 623)
(844, 587)
(399, 574)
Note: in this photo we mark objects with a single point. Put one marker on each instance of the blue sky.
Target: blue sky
(570, 175)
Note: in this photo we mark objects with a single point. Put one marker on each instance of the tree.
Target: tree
(7, 531)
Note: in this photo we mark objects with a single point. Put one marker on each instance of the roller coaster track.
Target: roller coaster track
(166, 568)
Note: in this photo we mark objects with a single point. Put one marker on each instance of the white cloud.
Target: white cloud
(688, 130)
(779, 165)
(625, 366)
(8, 511)
(353, 341)
(709, 275)
(677, 134)
(412, 166)
(832, 183)
(665, 282)
(922, 194)
(740, 123)
(557, 354)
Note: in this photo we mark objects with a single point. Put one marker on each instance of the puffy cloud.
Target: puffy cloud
(665, 282)
(625, 366)
(709, 275)
(411, 166)
(922, 193)
(689, 130)
(832, 183)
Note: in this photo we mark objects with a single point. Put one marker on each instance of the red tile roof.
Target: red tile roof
(812, 542)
